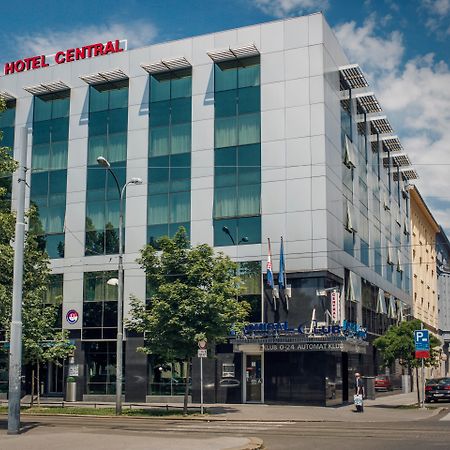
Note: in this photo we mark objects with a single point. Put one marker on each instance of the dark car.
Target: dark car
(383, 383)
(439, 390)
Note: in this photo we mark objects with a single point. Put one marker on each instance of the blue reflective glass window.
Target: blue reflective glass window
(249, 72)
(249, 161)
(180, 110)
(39, 184)
(158, 174)
(225, 132)
(159, 141)
(40, 157)
(58, 181)
(118, 98)
(225, 173)
(98, 123)
(225, 76)
(225, 103)
(249, 196)
(160, 113)
(158, 209)
(41, 132)
(159, 90)
(174, 227)
(181, 87)
(250, 227)
(60, 107)
(154, 232)
(42, 109)
(118, 120)
(98, 99)
(180, 207)
(180, 138)
(55, 245)
(221, 238)
(225, 202)
(249, 129)
(249, 100)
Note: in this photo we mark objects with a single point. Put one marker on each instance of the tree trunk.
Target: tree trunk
(32, 388)
(38, 384)
(186, 388)
(417, 386)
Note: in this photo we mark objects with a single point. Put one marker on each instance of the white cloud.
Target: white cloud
(138, 33)
(437, 12)
(370, 51)
(284, 8)
(416, 98)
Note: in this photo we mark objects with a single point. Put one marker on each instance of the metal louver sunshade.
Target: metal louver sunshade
(233, 53)
(6, 96)
(369, 102)
(105, 77)
(354, 76)
(167, 65)
(47, 88)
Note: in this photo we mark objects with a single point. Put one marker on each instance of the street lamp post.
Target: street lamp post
(103, 162)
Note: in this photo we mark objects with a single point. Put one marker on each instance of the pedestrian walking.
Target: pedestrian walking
(359, 393)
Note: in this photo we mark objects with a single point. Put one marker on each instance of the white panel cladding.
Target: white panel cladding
(316, 60)
(137, 57)
(272, 67)
(273, 195)
(272, 125)
(318, 193)
(202, 107)
(298, 122)
(296, 63)
(316, 89)
(272, 37)
(250, 35)
(202, 134)
(298, 194)
(315, 29)
(296, 33)
(24, 112)
(203, 80)
(297, 92)
(73, 298)
(202, 230)
(134, 286)
(139, 91)
(298, 157)
(317, 119)
(200, 46)
(79, 102)
(272, 96)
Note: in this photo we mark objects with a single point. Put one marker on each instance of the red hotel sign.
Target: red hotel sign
(61, 57)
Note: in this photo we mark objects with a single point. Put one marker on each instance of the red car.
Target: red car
(383, 383)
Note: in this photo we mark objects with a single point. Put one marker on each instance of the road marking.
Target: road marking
(446, 417)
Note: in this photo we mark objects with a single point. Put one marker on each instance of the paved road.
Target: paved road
(56, 433)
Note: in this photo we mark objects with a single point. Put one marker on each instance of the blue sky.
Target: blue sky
(402, 46)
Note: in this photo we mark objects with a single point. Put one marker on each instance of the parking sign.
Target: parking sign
(422, 343)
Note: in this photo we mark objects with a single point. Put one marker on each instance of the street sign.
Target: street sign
(422, 343)
(202, 353)
(202, 344)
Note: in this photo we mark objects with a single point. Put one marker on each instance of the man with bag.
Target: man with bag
(359, 393)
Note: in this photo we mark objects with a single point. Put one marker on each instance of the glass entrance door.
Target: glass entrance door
(253, 378)
(55, 378)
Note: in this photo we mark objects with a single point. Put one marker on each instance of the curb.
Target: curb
(253, 444)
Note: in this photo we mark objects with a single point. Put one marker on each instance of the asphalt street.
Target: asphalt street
(79, 433)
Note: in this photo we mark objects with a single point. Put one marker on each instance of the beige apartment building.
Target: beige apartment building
(424, 229)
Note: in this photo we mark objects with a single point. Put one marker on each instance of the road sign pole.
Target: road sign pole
(201, 385)
(422, 405)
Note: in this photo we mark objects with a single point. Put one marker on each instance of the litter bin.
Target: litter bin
(369, 387)
(71, 390)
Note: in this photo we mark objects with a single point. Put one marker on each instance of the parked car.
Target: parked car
(383, 383)
(439, 390)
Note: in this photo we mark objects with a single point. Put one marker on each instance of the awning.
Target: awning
(47, 88)
(354, 76)
(105, 77)
(349, 154)
(381, 302)
(230, 53)
(368, 102)
(392, 143)
(381, 124)
(6, 96)
(167, 65)
(399, 159)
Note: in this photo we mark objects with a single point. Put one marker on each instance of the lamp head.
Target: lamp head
(226, 230)
(244, 239)
(136, 181)
(103, 162)
(113, 282)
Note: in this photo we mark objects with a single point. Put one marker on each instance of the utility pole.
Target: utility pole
(15, 339)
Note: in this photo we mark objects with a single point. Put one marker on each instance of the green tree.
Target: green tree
(398, 344)
(37, 317)
(193, 297)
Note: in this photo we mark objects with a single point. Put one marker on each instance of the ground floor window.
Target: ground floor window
(100, 360)
(167, 378)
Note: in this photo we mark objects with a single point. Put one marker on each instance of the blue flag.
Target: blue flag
(282, 273)
(269, 267)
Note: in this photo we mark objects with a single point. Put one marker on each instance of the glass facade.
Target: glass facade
(237, 152)
(169, 162)
(99, 306)
(108, 124)
(54, 296)
(251, 289)
(7, 119)
(49, 170)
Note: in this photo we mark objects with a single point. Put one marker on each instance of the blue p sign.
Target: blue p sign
(422, 339)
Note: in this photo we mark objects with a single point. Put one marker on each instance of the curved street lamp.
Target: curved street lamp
(103, 162)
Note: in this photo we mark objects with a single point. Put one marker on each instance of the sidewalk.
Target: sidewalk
(392, 408)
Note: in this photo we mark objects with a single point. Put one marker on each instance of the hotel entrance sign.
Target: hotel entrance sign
(64, 56)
